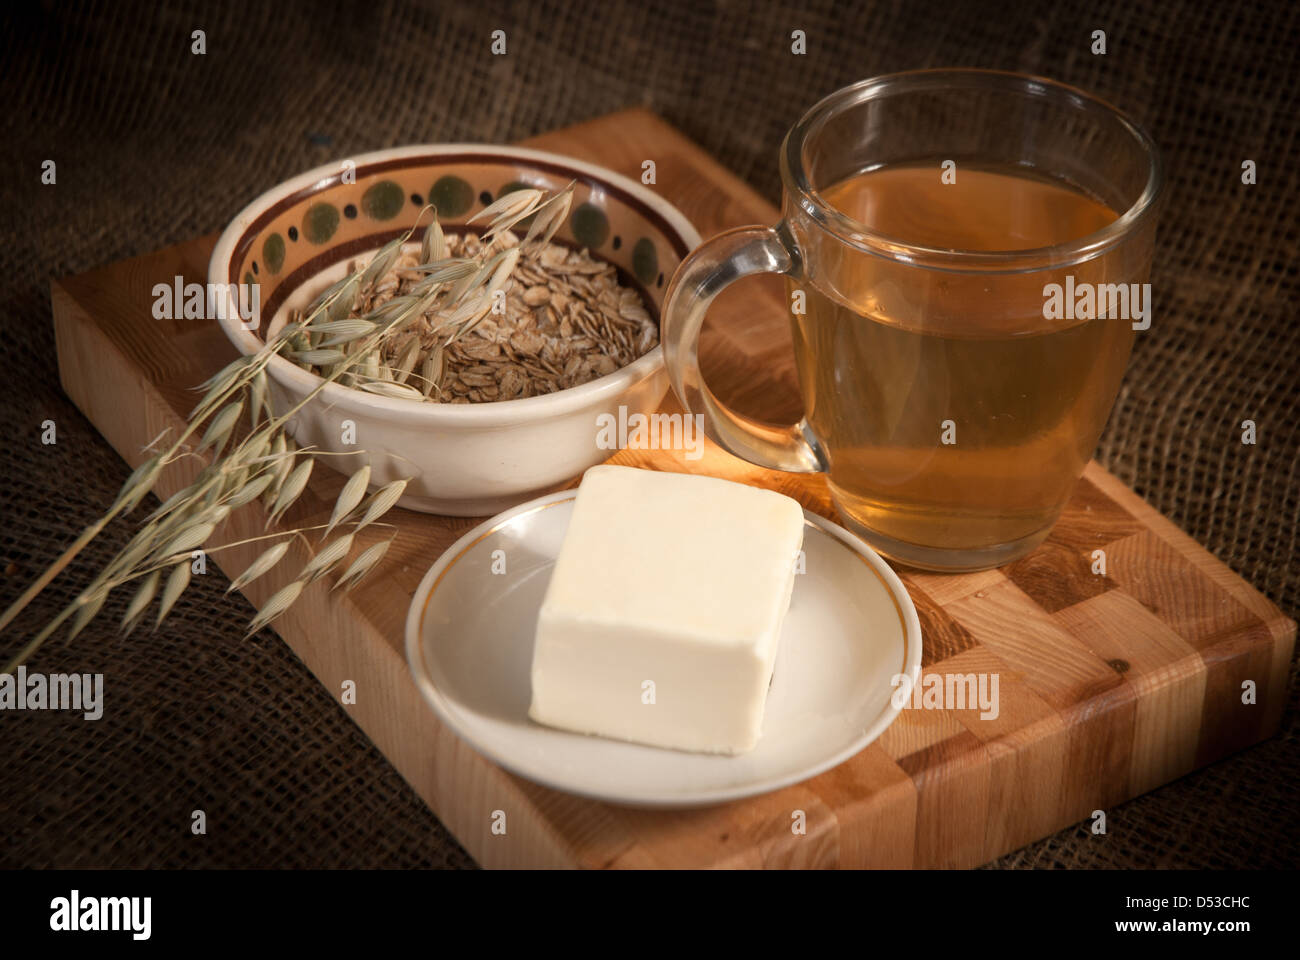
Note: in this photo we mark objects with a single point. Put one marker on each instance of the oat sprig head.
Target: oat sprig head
(345, 347)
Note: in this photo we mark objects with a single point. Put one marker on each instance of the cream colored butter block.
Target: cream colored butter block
(662, 618)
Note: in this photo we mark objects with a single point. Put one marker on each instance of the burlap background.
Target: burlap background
(155, 145)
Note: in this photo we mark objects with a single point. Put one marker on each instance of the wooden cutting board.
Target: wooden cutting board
(1109, 684)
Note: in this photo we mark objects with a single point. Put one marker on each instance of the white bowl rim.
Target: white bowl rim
(461, 415)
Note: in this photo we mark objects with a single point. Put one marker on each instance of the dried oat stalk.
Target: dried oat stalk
(368, 346)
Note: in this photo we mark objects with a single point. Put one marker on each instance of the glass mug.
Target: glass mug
(943, 233)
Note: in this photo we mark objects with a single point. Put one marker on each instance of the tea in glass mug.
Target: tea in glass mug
(967, 255)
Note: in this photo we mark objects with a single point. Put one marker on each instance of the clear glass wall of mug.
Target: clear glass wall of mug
(967, 256)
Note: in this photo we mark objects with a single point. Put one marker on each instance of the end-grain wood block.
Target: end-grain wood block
(1109, 685)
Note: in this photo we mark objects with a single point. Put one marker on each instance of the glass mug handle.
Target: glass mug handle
(704, 273)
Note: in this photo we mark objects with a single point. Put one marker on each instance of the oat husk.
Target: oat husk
(565, 320)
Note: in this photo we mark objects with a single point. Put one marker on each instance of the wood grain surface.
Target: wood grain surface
(1109, 685)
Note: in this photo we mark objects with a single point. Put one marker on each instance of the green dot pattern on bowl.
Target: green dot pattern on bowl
(590, 225)
(383, 200)
(249, 279)
(319, 222)
(645, 261)
(452, 196)
(273, 252)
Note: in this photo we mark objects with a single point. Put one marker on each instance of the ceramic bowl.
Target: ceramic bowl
(462, 459)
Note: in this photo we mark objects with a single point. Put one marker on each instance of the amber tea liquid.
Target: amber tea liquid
(890, 368)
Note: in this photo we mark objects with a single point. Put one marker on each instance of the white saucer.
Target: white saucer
(851, 630)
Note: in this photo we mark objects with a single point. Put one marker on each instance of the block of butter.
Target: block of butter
(664, 610)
